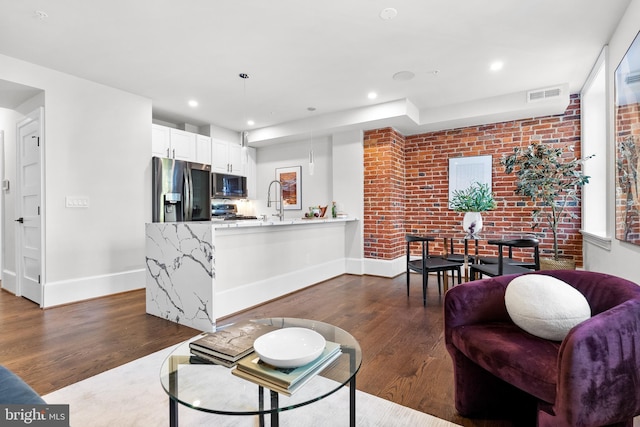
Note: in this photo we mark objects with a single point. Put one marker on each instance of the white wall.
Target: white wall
(97, 144)
(348, 193)
(622, 258)
(316, 188)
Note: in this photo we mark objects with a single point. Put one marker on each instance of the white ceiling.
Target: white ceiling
(324, 54)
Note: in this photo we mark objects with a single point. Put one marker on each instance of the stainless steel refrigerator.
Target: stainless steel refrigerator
(181, 191)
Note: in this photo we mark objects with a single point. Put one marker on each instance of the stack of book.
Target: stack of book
(285, 380)
(227, 346)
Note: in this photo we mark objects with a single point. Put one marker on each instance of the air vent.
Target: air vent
(542, 94)
(632, 78)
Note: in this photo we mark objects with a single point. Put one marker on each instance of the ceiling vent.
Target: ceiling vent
(632, 78)
(543, 94)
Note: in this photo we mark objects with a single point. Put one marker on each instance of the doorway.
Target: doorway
(28, 206)
(19, 105)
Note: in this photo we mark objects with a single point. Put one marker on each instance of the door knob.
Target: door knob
(20, 220)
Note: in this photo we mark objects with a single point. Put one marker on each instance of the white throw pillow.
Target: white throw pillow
(545, 306)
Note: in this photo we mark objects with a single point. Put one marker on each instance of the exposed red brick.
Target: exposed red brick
(406, 182)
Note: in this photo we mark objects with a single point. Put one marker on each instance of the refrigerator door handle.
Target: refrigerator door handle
(187, 195)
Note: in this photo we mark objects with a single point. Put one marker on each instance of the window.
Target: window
(594, 141)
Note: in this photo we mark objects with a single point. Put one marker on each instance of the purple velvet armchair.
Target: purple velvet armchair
(591, 378)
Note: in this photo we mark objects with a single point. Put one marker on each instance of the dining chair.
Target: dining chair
(456, 256)
(503, 266)
(509, 260)
(428, 264)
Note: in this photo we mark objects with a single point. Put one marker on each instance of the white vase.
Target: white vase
(472, 223)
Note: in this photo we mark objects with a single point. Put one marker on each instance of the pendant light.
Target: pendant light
(312, 165)
(244, 134)
(311, 157)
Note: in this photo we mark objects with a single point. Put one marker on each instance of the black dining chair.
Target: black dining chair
(503, 266)
(509, 260)
(428, 264)
(456, 256)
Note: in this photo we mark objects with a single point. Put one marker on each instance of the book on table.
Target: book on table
(285, 380)
(198, 357)
(228, 345)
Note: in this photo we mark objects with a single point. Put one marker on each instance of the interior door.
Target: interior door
(28, 224)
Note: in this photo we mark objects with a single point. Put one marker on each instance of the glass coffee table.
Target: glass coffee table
(214, 389)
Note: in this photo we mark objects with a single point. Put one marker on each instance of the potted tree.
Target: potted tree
(552, 182)
(472, 200)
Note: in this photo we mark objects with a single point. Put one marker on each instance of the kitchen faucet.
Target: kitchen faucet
(280, 213)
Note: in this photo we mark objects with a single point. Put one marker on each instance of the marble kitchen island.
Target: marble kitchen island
(197, 272)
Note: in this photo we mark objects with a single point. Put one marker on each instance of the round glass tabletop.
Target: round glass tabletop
(213, 388)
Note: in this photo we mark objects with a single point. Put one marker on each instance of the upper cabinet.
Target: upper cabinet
(183, 145)
(179, 144)
(203, 149)
(228, 157)
(160, 141)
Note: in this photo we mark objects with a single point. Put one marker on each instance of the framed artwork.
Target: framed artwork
(291, 186)
(464, 171)
(627, 136)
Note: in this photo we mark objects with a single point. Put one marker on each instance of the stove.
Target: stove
(227, 212)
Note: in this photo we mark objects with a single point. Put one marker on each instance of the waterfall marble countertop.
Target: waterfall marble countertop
(275, 222)
(196, 271)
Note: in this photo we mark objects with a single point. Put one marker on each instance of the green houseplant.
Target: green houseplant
(472, 200)
(475, 198)
(548, 179)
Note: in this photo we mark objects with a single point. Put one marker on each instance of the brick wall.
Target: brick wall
(406, 182)
(384, 194)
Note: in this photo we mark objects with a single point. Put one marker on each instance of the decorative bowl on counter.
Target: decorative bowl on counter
(316, 212)
(289, 347)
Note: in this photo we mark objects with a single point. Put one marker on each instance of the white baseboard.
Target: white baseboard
(385, 268)
(243, 297)
(9, 282)
(67, 291)
(354, 266)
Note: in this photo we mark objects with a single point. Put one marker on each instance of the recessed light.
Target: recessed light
(193, 103)
(251, 122)
(372, 95)
(388, 14)
(496, 66)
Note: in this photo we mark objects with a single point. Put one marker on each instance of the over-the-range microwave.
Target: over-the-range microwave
(225, 186)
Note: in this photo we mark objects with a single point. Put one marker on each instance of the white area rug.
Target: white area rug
(131, 396)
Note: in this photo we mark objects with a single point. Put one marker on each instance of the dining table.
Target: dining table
(458, 235)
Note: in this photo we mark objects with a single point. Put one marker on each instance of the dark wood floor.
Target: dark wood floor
(404, 358)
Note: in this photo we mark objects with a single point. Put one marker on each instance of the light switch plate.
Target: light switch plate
(77, 202)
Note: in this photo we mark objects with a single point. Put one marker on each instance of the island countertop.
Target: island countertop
(275, 222)
(200, 271)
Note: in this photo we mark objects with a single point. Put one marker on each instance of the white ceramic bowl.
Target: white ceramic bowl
(289, 347)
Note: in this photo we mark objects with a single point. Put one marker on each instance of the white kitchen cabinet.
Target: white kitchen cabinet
(183, 145)
(173, 143)
(236, 164)
(203, 149)
(160, 141)
(228, 157)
